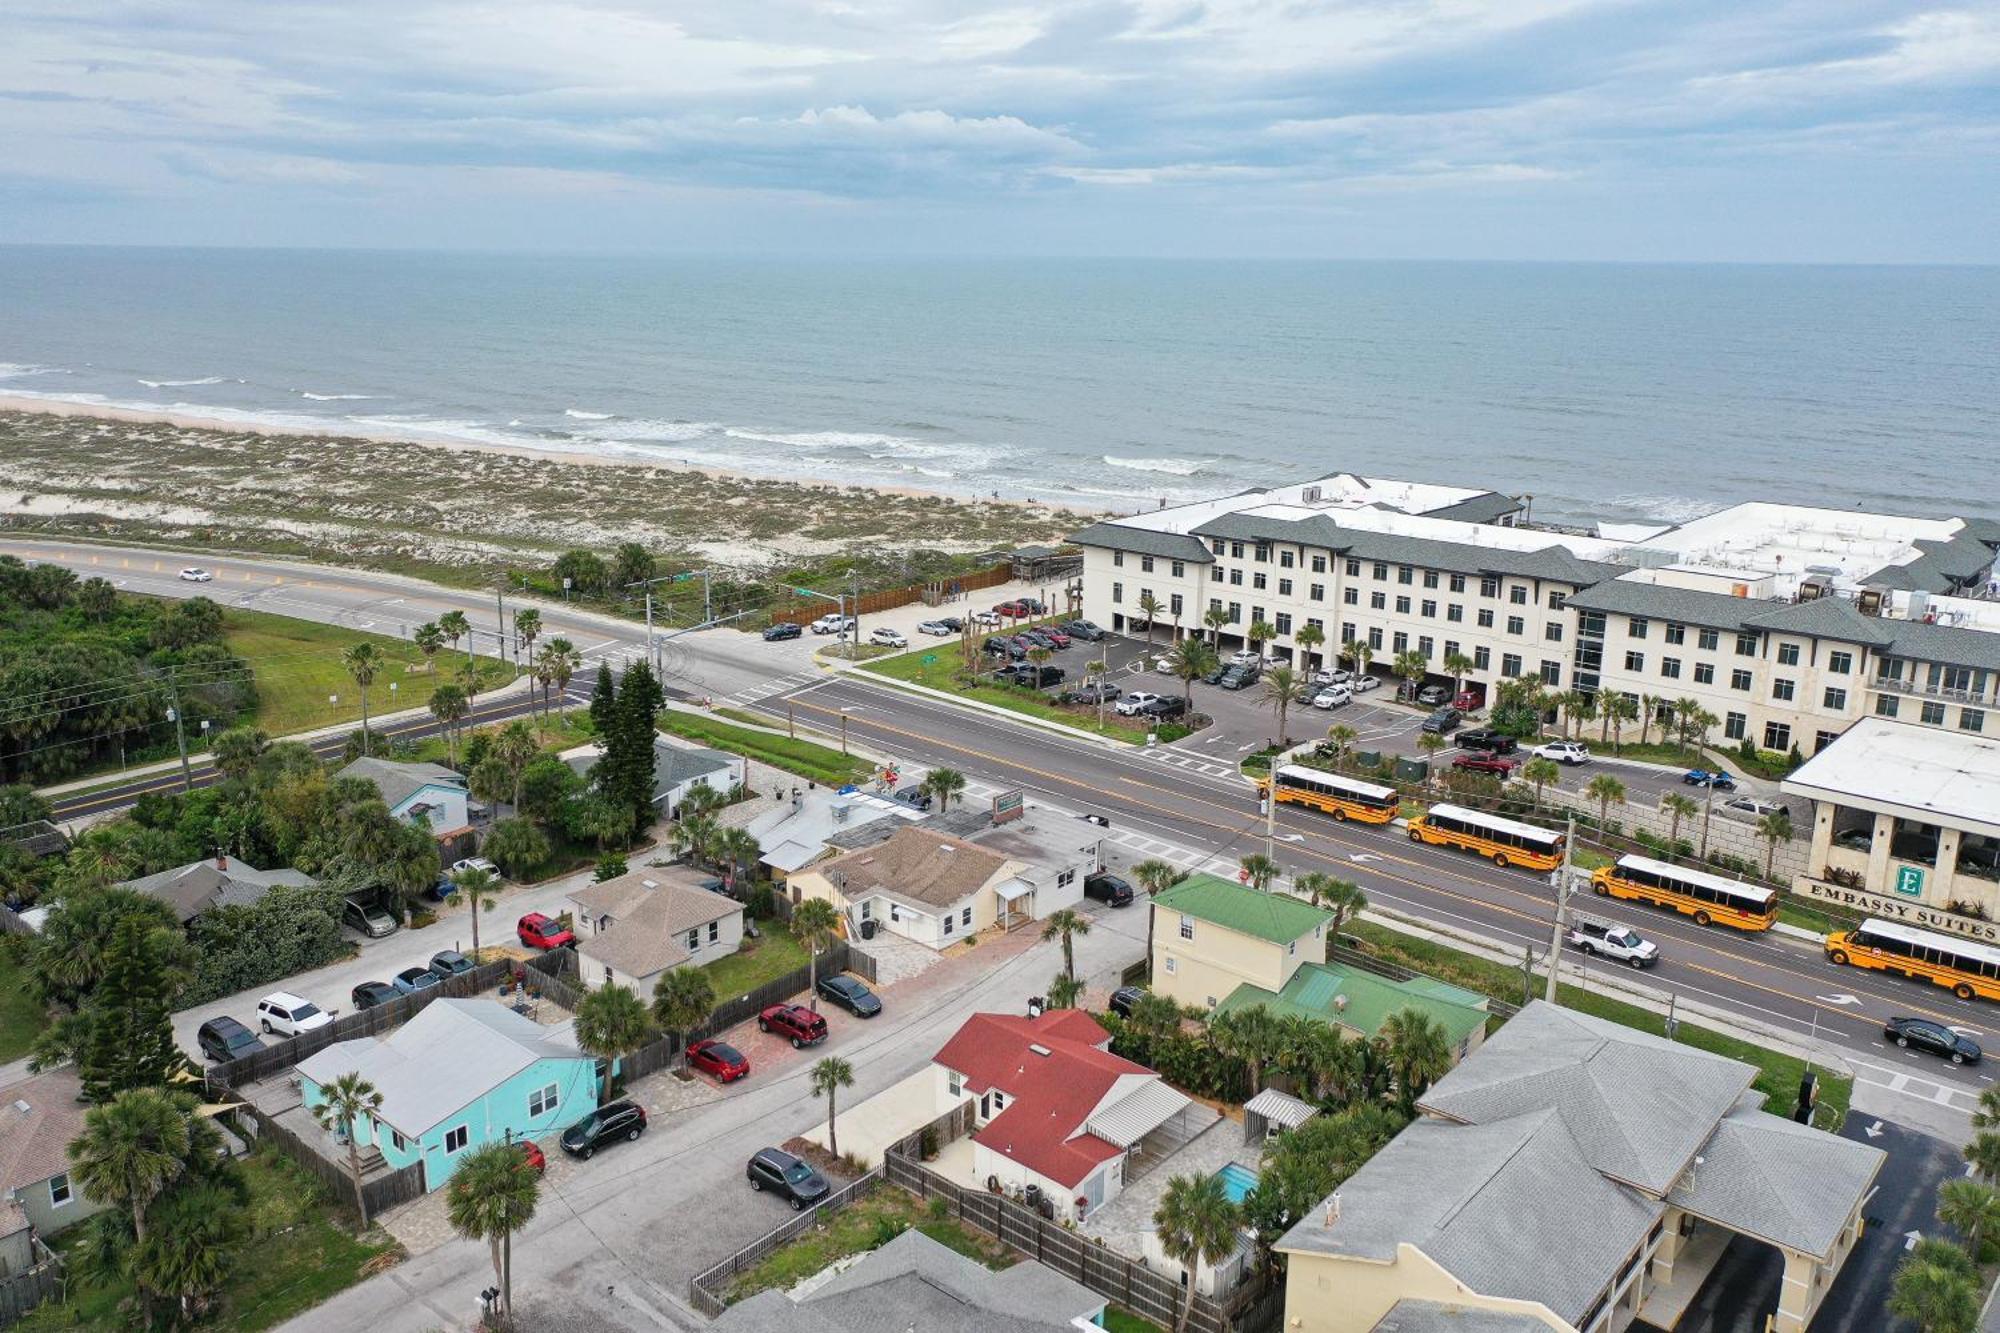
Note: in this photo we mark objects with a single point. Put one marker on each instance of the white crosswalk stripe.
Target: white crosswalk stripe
(782, 685)
(1192, 763)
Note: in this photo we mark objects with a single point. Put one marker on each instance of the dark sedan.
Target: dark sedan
(1924, 1035)
(783, 630)
(850, 995)
(371, 993)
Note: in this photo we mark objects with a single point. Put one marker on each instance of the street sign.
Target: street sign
(1009, 805)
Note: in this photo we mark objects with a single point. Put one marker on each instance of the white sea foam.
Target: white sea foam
(650, 430)
(10, 370)
(1176, 467)
(336, 397)
(1663, 508)
(580, 415)
(181, 384)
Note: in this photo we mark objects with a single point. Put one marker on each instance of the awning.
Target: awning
(1132, 1118)
(1013, 889)
(1280, 1108)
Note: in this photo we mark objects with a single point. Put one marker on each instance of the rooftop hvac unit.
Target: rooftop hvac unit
(1310, 495)
(1869, 602)
(1812, 589)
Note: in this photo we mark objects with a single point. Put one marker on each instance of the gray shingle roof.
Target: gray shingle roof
(1436, 1317)
(397, 781)
(1553, 561)
(34, 1144)
(1945, 566)
(200, 886)
(1951, 644)
(1144, 541)
(1484, 508)
(1661, 601)
(1822, 618)
(1768, 1177)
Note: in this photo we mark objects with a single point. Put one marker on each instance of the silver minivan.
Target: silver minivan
(368, 918)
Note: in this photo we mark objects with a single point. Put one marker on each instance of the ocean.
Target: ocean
(1619, 392)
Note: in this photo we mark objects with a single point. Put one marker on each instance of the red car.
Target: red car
(538, 931)
(1014, 609)
(1060, 639)
(718, 1058)
(801, 1024)
(1484, 763)
(534, 1155)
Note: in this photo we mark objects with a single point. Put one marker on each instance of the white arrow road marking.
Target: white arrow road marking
(1363, 856)
(1838, 999)
(1910, 1239)
(1874, 1131)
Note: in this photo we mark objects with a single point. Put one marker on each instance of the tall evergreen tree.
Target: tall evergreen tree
(130, 1038)
(628, 749)
(603, 700)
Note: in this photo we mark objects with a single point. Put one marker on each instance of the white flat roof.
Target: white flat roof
(1927, 774)
(1763, 539)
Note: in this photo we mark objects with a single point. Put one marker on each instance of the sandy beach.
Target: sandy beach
(405, 500)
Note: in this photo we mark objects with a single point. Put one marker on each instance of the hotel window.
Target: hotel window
(1286, 560)
(1235, 613)
(1485, 618)
(1430, 578)
(1353, 568)
(1739, 679)
(1215, 603)
(1319, 625)
(1405, 573)
(1319, 564)
(1782, 690)
(1263, 553)
(1284, 622)
(1510, 664)
(1187, 927)
(1455, 611)
(1552, 672)
(1145, 564)
(1457, 583)
(1429, 609)
(1558, 600)
(1347, 631)
(1777, 736)
(1677, 634)
(1118, 559)
(1822, 739)
(542, 1100)
(1236, 577)
(1635, 661)
(1834, 698)
(1236, 550)
(1117, 592)
(1378, 600)
(1381, 572)
(1885, 705)
(1839, 662)
(1375, 637)
(1400, 644)
(1284, 587)
(1736, 726)
(1704, 673)
(454, 1139)
(1451, 648)
(1402, 606)
(1218, 545)
(1482, 658)
(1788, 654)
(1518, 594)
(1424, 646)
(1707, 639)
(1746, 645)
(1171, 965)
(1670, 667)
(1180, 570)
(59, 1190)
(1516, 625)
(1972, 719)
(1553, 631)
(1636, 627)
(1260, 581)
(1174, 605)
(1489, 587)
(1349, 596)
(1931, 715)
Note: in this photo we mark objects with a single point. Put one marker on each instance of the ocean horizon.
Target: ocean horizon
(1605, 391)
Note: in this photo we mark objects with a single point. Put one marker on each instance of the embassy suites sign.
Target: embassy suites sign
(1891, 908)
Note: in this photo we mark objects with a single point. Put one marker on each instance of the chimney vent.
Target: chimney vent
(1333, 1209)
(221, 859)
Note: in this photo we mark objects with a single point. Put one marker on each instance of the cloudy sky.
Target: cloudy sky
(1836, 130)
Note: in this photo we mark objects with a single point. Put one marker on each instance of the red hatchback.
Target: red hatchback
(801, 1024)
(533, 1154)
(1014, 609)
(538, 931)
(718, 1058)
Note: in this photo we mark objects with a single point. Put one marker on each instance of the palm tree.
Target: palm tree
(1064, 991)
(1149, 607)
(1342, 738)
(191, 1249)
(516, 748)
(1361, 653)
(349, 1098)
(1259, 634)
(131, 1149)
(481, 889)
(1196, 1224)
(1649, 713)
(1417, 1050)
(1343, 898)
(1309, 638)
(449, 706)
(1987, 1114)
(1773, 829)
(1094, 673)
(236, 751)
(1984, 1155)
(455, 626)
(1678, 807)
(610, 1021)
(1190, 660)
(1280, 684)
(1457, 664)
(682, 1002)
(1412, 666)
(1260, 869)
(563, 662)
(829, 1076)
(491, 1195)
(1217, 620)
(362, 661)
(738, 850)
(693, 834)
(429, 638)
(1155, 877)
(1607, 791)
(1937, 1289)
(1154, 1015)
(1430, 742)
(1540, 773)
(1251, 1035)
(1065, 924)
(944, 785)
(527, 628)
(817, 925)
(1972, 1209)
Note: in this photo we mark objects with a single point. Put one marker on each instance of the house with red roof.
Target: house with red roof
(1056, 1115)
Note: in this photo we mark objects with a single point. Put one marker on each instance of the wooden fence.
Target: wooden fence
(706, 1290)
(382, 1192)
(806, 611)
(29, 1288)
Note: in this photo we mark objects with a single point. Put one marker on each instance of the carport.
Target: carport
(1151, 1125)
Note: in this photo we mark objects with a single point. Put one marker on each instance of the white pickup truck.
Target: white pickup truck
(833, 623)
(1614, 941)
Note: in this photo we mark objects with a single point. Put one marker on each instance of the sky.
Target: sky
(1680, 130)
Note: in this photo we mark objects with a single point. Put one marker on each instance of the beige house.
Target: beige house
(38, 1121)
(925, 886)
(636, 928)
(1211, 935)
(1576, 1175)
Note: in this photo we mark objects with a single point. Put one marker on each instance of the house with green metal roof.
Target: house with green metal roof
(1211, 935)
(1359, 1003)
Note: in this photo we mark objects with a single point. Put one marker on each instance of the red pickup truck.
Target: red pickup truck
(1484, 763)
(801, 1024)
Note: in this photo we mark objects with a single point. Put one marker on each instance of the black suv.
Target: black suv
(781, 630)
(1444, 720)
(371, 993)
(619, 1120)
(1165, 706)
(1924, 1035)
(1101, 691)
(850, 995)
(1487, 739)
(787, 1177)
(1032, 676)
(1108, 889)
(224, 1039)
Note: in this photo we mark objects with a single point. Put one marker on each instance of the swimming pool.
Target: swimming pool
(1237, 1181)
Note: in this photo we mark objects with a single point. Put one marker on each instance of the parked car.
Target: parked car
(224, 1039)
(1105, 888)
(413, 979)
(1057, 637)
(1013, 610)
(196, 574)
(833, 623)
(1702, 777)
(1563, 752)
(787, 1177)
(1037, 677)
(914, 795)
(475, 863)
(1124, 998)
(540, 931)
(607, 1124)
(1164, 665)
(800, 1024)
(1432, 695)
(1443, 721)
(1365, 682)
(1484, 763)
(1335, 676)
(1169, 707)
(282, 1011)
(887, 637)
(784, 629)
(536, 1158)
(367, 918)
(937, 629)
(1102, 691)
(1033, 605)
(1083, 629)
(1612, 940)
(1924, 1035)
(998, 645)
(1487, 739)
(1756, 807)
(443, 889)
(371, 993)
(985, 617)
(1135, 703)
(1239, 677)
(850, 994)
(1855, 839)
(719, 1059)
(1034, 638)
(1333, 696)
(448, 963)
(952, 624)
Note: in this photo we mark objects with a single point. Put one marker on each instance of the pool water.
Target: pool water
(1237, 1181)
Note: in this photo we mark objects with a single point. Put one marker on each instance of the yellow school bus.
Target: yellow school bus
(1965, 966)
(1506, 842)
(1343, 798)
(1709, 899)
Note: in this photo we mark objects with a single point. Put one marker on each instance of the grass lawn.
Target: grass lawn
(22, 1016)
(1117, 1321)
(1779, 1080)
(821, 763)
(759, 961)
(294, 1257)
(297, 665)
(867, 1225)
(942, 674)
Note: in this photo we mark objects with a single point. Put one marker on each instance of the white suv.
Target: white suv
(888, 638)
(1135, 703)
(284, 1012)
(1563, 752)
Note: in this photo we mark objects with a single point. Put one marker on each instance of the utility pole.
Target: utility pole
(1707, 809)
(1527, 974)
(1271, 809)
(1562, 909)
(180, 728)
(500, 612)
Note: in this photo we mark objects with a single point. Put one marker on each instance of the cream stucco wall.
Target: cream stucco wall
(1205, 969)
(925, 925)
(1329, 1294)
